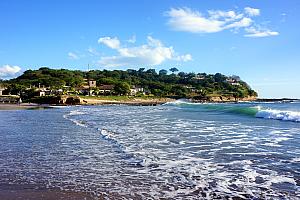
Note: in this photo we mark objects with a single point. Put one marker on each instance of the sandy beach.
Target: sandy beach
(22, 106)
(135, 101)
(27, 194)
(89, 101)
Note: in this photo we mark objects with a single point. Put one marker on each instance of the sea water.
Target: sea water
(179, 150)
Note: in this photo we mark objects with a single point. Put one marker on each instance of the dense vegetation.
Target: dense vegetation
(162, 83)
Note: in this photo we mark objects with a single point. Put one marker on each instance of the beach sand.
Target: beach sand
(22, 106)
(27, 194)
(135, 101)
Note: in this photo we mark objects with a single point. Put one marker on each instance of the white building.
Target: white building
(1, 90)
(135, 89)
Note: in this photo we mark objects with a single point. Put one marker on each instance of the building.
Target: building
(199, 77)
(42, 92)
(232, 81)
(106, 89)
(92, 83)
(135, 89)
(1, 90)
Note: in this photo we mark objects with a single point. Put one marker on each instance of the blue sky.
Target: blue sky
(257, 40)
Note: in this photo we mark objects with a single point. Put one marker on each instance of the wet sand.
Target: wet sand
(30, 192)
(27, 194)
(22, 106)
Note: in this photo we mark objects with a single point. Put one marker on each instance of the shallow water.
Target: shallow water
(173, 151)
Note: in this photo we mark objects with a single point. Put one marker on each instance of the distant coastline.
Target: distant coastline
(66, 100)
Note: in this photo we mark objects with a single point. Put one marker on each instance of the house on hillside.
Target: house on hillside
(41, 92)
(199, 77)
(190, 88)
(88, 87)
(106, 89)
(135, 89)
(92, 83)
(233, 80)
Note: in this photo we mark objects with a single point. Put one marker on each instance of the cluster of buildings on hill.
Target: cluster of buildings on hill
(88, 88)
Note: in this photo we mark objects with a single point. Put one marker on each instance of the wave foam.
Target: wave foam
(79, 123)
(76, 112)
(279, 115)
(179, 102)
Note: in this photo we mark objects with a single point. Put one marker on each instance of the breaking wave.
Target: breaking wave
(279, 115)
(255, 111)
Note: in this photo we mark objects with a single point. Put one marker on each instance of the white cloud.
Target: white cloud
(93, 51)
(184, 58)
(244, 22)
(113, 43)
(132, 39)
(7, 71)
(73, 56)
(258, 32)
(185, 19)
(150, 54)
(252, 11)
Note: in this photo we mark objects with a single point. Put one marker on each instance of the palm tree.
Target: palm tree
(174, 69)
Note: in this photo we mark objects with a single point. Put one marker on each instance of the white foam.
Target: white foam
(107, 134)
(271, 144)
(178, 102)
(282, 179)
(296, 159)
(279, 115)
(78, 122)
(76, 112)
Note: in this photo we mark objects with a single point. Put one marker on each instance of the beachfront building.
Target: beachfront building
(1, 90)
(136, 89)
(85, 90)
(41, 93)
(88, 88)
(106, 89)
(92, 83)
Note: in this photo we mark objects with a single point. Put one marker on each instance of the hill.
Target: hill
(161, 84)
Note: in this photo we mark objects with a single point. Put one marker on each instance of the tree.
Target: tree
(219, 77)
(182, 74)
(174, 69)
(122, 88)
(16, 89)
(141, 70)
(163, 72)
(162, 84)
(179, 90)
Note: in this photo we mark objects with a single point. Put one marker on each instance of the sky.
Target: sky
(256, 40)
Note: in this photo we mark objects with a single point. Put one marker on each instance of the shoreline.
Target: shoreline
(131, 102)
(87, 102)
(23, 106)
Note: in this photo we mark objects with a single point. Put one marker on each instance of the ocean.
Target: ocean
(178, 150)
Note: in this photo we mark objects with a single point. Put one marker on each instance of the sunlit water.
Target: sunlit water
(173, 151)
